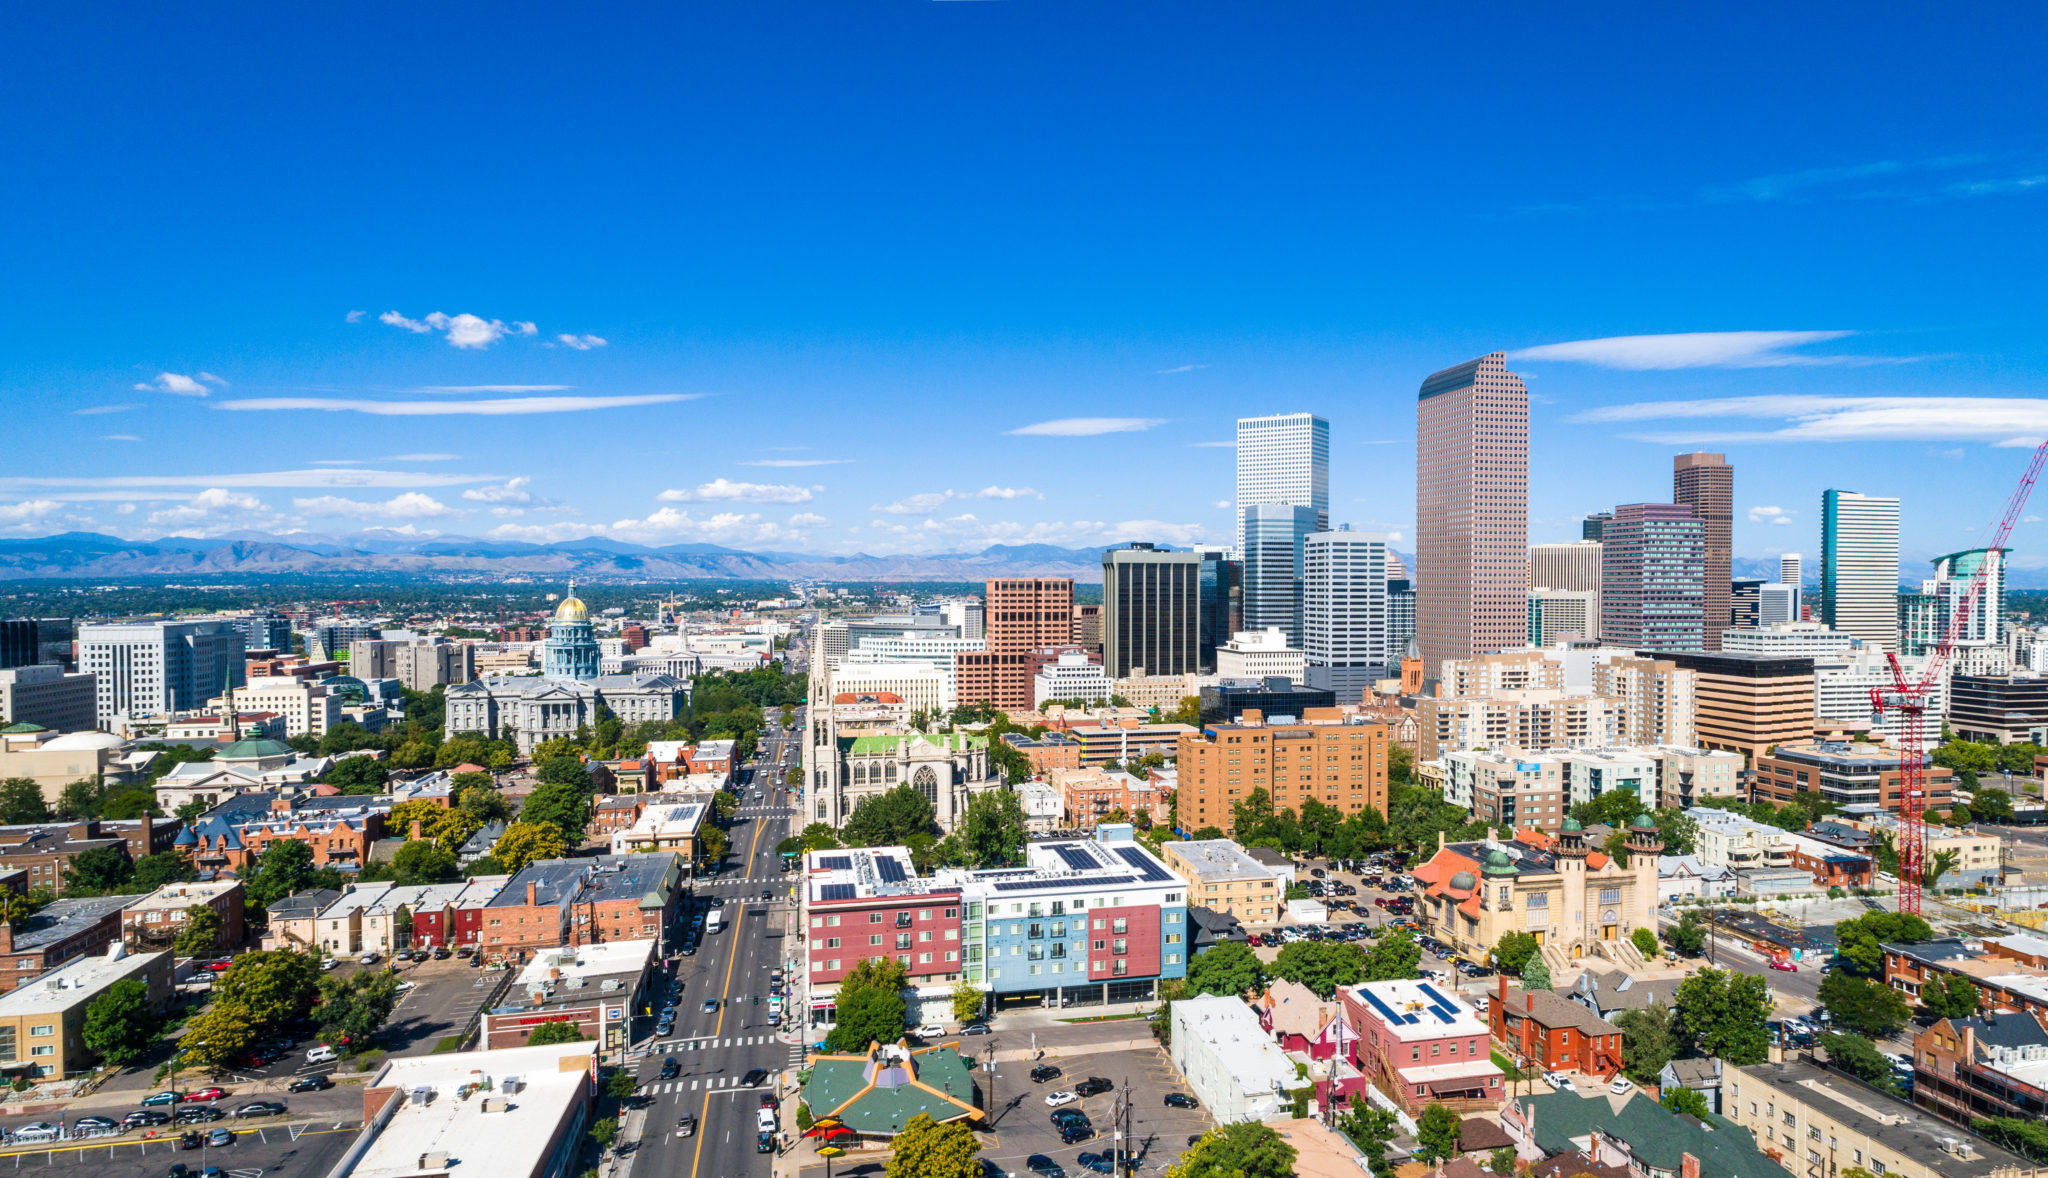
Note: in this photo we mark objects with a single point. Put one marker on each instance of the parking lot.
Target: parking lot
(296, 1147)
(446, 996)
(1022, 1122)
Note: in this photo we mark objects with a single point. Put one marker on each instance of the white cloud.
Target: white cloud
(95, 410)
(1770, 515)
(499, 408)
(1214, 445)
(722, 490)
(423, 458)
(124, 509)
(931, 501)
(2002, 421)
(806, 519)
(1007, 493)
(180, 384)
(968, 528)
(213, 511)
(671, 525)
(462, 331)
(277, 478)
(1697, 349)
(335, 461)
(796, 462)
(1087, 427)
(1222, 504)
(119, 438)
(28, 515)
(512, 492)
(1180, 369)
(409, 505)
(354, 316)
(494, 388)
(581, 343)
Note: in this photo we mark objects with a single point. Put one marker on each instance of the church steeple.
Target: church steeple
(230, 715)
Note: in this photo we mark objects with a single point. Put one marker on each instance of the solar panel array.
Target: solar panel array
(1152, 872)
(1440, 1006)
(891, 869)
(1038, 885)
(836, 892)
(1074, 856)
(1387, 1012)
(836, 863)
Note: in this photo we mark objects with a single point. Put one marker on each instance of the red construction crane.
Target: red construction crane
(338, 604)
(1909, 700)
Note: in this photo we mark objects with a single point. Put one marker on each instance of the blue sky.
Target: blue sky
(816, 277)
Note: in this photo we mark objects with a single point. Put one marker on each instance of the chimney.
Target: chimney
(532, 893)
(1688, 1166)
(415, 829)
(6, 937)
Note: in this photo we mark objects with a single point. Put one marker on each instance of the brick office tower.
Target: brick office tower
(1021, 615)
(1471, 511)
(1706, 483)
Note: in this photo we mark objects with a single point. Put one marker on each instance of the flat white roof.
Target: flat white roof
(184, 895)
(1414, 1009)
(588, 961)
(1230, 1028)
(508, 1144)
(61, 989)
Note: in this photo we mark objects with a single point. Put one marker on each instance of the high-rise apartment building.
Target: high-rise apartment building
(1859, 567)
(1562, 615)
(1344, 622)
(1953, 575)
(1151, 611)
(1572, 569)
(152, 668)
(266, 629)
(1706, 483)
(1789, 572)
(1651, 593)
(1324, 755)
(1022, 615)
(1222, 605)
(1594, 526)
(1273, 536)
(1472, 510)
(1285, 460)
(420, 666)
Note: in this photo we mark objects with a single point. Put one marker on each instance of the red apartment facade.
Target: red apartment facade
(1553, 1033)
(1423, 1045)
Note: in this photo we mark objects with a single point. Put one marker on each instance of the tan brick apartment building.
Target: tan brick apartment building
(1326, 756)
(1844, 773)
(1222, 877)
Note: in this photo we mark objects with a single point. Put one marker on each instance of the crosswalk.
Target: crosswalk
(672, 1087)
(749, 881)
(707, 1044)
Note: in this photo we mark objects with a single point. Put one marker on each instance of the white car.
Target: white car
(930, 1031)
(1622, 1086)
(1056, 1099)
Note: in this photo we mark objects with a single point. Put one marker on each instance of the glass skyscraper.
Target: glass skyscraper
(1273, 535)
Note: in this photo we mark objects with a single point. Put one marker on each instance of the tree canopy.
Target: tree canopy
(1243, 1149)
(1865, 1005)
(1227, 968)
(358, 775)
(1649, 1039)
(1513, 951)
(1437, 1133)
(1394, 956)
(354, 1008)
(559, 1030)
(1858, 942)
(564, 807)
(1723, 1014)
(200, 934)
(927, 1149)
(118, 1024)
(1322, 966)
(889, 819)
(1949, 996)
(528, 842)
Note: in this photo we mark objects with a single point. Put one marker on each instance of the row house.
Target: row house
(568, 902)
(338, 838)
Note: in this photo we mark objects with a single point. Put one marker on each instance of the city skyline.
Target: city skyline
(376, 319)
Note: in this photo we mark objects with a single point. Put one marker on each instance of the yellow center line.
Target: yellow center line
(725, 998)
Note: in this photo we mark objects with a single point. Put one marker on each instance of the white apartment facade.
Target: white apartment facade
(921, 686)
(308, 708)
(1072, 676)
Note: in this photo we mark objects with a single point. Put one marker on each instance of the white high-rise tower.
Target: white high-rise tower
(1859, 567)
(1283, 460)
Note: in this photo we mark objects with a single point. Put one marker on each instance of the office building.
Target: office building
(1088, 628)
(1802, 639)
(1790, 571)
(308, 709)
(266, 629)
(1594, 526)
(1261, 654)
(595, 987)
(1859, 567)
(331, 639)
(1706, 483)
(1845, 773)
(1749, 702)
(19, 645)
(1574, 567)
(1652, 593)
(420, 666)
(1151, 611)
(1777, 603)
(1071, 676)
(146, 669)
(1021, 615)
(1274, 537)
(1925, 617)
(1745, 602)
(1401, 617)
(1337, 760)
(522, 1112)
(1841, 696)
(965, 616)
(50, 697)
(1283, 460)
(1472, 510)
(1221, 608)
(1345, 634)
(1999, 709)
(1230, 700)
(1562, 615)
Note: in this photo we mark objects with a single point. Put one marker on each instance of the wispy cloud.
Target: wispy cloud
(494, 388)
(409, 505)
(670, 525)
(288, 479)
(968, 528)
(796, 462)
(722, 490)
(1770, 515)
(1214, 445)
(181, 385)
(1832, 181)
(1181, 369)
(95, 410)
(1699, 349)
(931, 501)
(1087, 427)
(1382, 442)
(423, 458)
(119, 438)
(354, 316)
(581, 343)
(215, 510)
(2002, 421)
(335, 461)
(463, 330)
(496, 408)
(513, 491)
(28, 515)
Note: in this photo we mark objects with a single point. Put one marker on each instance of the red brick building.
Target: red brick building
(567, 902)
(1021, 616)
(1423, 1044)
(896, 916)
(60, 931)
(1553, 1033)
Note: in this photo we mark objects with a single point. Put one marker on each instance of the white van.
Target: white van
(766, 1120)
(322, 1054)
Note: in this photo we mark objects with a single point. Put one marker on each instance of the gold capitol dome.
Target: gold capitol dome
(572, 608)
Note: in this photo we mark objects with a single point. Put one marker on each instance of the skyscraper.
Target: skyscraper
(1925, 617)
(1151, 611)
(1222, 604)
(1022, 615)
(1859, 567)
(1345, 625)
(1652, 595)
(1283, 459)
(151, 668)
(1788, 568)
(1273, 535)
(1471, 511)
(1594, 525)
(1574, 568)
(1706, 483)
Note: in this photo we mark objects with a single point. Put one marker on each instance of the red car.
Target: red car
(1781, 963)
(205, 1094)
(218, 966)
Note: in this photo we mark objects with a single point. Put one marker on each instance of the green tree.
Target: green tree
(1864, 1005)
(992, 830)
(119, 1025)
(889, 819)
(2027, 1138)
(98, 871)
(927, 1149)
(560, 1030)
(201, 934)
(164, 867)
(967, 1001)
(1227, 968)
(1502, 1162)
(80, 800)
(604, 1130)
(1322, 966)
(563, 770)
(21, 802)
(1860, 1058)
(1645, 942)
(1394, 956)
(1648, 1041)
(1188, 712)
(285, 867)
(1686, 1102)
(711, 843)
(1374, 1130)
(128, 803)
(273, 986)
(528, 842)
(354, 1008)
(1949, 996)
(1859, 942)
(1010, 760)
(869, 1014)
(1243, 1149)
(564, 807)
(875, 973)
(358, 775)
(621, 1084)
(1513, 952)
(1723, 1014)
(483, 802)
(1688, 937)
(216, 1036)
(1616, 808)
(419, 861)
(1436, 1133)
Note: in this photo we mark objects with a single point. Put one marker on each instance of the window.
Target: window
(1119, 946)
(1610, 895)
(1099, 946)
(45, 1049)
(875, 939)
(1122, 967)
(45, 1029)
(926, 935)
(831, 942)
(1117, 925)
(924, 959)
(903, 940)
(874, 918)
(1173, 938)
(832, 922)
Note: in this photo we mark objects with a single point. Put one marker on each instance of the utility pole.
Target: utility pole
(990, 1067)
(1120, 1139)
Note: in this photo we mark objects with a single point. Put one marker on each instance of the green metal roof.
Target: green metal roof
(1659, 1137)
(839, 1086)
(881, 746)
(23, 728)
(251, 749)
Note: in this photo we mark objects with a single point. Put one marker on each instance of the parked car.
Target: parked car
(1044, 1166)
(1622, 1086)
(197, 1114)
(764, 1141)
(260, 1108)
(1044, 1072)
(1098, 1162)
(191, 1140)
(160, 1098)
(322, 1054)
(1181, 1100)
(310, 1084)
(930, 1031)
(144, 1117)
(216, 1138)
(975, 1029)
(204, 1094)
(1062, 1097)
(1093, 1086)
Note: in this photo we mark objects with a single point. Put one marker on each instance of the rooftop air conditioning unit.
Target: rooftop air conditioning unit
(434, 1161)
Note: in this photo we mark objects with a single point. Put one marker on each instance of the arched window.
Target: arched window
(927, 783)
(860, 774)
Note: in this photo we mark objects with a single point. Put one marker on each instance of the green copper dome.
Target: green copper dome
(1571, 824)
(1464, 881)
(1644, 823)
(1498, 863)
(250, 750)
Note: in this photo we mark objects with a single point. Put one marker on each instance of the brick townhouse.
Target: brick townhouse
(1553, 1033)
(583, 902)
